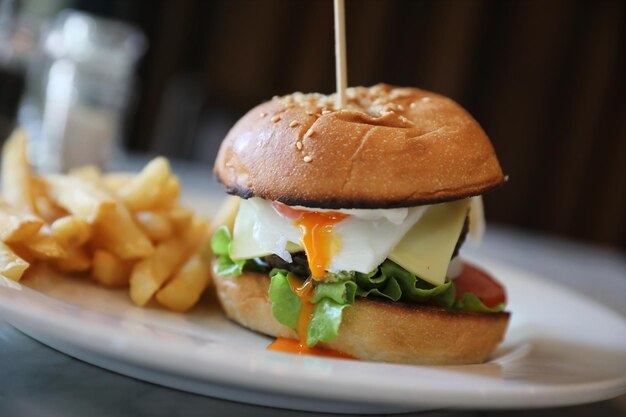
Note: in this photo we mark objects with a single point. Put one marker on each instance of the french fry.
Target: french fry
(169, 193)
(80, 197)
(77, 260)
(124, 229)
(156, 225)
(11, 265)
(88, 173)
(16, 173)
(195, 234)
(22, 251)
(17, 226)
(226, 213)
(180, 217)
(149, 274)
(48, 210)
(117, 180)
(44, 206)
(109, 270)
(143, 191)
(43, 245)
(186, 286)
(117, 232)
(71, 231)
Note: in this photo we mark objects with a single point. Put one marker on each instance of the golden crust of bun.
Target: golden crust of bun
(390, 147)
(376, 330)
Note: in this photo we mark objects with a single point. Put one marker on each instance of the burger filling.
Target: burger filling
(319, 260)
(299, 265)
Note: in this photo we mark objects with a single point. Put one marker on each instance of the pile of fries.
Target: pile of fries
(121, 230)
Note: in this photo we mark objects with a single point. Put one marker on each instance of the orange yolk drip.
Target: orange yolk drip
(317, 228)
(305, 293)
(283, 344)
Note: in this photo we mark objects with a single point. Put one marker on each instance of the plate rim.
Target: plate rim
(527, 395)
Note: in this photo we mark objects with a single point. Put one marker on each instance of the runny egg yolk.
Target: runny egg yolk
(317, 234)
(319, 245)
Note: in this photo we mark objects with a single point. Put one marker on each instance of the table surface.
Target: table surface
(38, 381)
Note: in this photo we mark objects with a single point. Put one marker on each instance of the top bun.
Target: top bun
(389, 147)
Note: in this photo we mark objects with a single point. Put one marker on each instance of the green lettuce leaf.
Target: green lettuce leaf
(446, 299)
(339, 292)
(393, 282)
(470, 302)
(286, 304)
(325, 323)
(227, 267)
(330, 300)
(338, 276)
(220, 242)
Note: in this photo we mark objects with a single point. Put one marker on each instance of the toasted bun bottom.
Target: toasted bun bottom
(376, 330)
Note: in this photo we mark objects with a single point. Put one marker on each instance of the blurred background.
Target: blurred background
(546, 79)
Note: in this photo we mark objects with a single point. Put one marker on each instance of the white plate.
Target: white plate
(560, 349)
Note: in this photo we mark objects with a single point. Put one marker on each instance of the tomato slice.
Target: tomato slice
(479, 282)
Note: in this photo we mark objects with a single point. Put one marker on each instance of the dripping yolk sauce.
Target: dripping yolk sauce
(319, 245)
(317, 235)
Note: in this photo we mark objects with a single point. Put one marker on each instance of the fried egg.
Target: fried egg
(334, 240)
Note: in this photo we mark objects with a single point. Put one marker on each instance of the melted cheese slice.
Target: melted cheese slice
(427, 247)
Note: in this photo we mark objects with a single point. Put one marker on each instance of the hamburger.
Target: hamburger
(343, 234)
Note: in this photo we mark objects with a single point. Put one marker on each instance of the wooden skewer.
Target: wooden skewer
(341, 72)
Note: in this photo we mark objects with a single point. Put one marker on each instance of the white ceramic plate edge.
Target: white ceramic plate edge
(94, 339)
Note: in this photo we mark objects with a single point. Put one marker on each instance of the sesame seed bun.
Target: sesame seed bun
(390, 147)
(374, 329)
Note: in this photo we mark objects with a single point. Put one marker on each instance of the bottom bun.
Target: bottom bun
(376, 329)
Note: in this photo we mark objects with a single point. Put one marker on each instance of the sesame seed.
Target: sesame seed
(275, 119)
(406, 121)
(299, 145)
(413, 105)
(326, 111)
(400, 107)
(425, 99)
(309, 133)
(293, 123)
(262, 114)
(307, 158)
